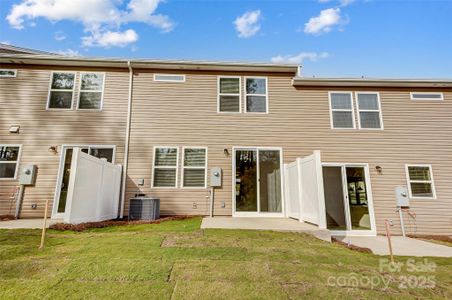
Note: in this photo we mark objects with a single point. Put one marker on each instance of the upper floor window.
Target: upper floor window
(165, 167)
(369, 110)
(61, 90)
(91, 90)
(169, 77)
(194, 168)
(420, 181)
(8, 73)
(341, 110)
(426, 96)
(9, 161)
(229, 94)
(256, 94)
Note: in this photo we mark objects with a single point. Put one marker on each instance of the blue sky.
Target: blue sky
(369, 38)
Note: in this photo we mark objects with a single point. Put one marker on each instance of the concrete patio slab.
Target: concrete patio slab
(26, 223)
(275, 224)
(401, 246)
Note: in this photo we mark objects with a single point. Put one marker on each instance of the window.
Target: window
(426, 96)
(8, 73)
(103, 152)
(9, 161)
(91, 91)
(61, 90)
(341, 109)
(229, 94)
(420, 181)
(256, 94)
(194, 168)
(165, 167)
(369, 110)
(169, 77)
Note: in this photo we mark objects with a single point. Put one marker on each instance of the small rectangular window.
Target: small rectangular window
(9, 161)
(369, 110)
(194, 167)
(420, 181)
(165, 167)
(341, 110)
(91, 91)
(8, 73)
(256, 94)
(229, 94)
(61, 90)
(426, 96)
(169, 77)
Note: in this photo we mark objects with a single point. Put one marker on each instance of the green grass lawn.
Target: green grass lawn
(177, 260)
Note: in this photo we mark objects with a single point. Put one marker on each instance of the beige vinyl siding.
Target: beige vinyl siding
(23, 102)
(299, 122)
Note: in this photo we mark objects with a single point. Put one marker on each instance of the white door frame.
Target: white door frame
(281, 165)
(373, 230)
(64, 147)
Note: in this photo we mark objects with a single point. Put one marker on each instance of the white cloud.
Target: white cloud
(109, 39)
(100, 18)
(59, 36)
(323, 22)
(5, 42)
(68, 52)
(247, 24)
(299, 58)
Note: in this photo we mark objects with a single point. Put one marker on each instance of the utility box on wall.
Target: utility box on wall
(402, 196)
(28, 175)
(215, 177)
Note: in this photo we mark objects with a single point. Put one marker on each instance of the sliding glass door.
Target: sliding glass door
(258, 180)
(347, 198)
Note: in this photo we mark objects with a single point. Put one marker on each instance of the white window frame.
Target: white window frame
(246, 94)
(431, 181)
(167, 80)
(165, 167)
(426, 99)
(193, 168)
(352, 110)
(91, 91)
(379, 110)
(65, 90)
(228, 94)
(9, 76)
(16, 171)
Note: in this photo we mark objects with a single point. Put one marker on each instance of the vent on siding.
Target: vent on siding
(169, 77)
(426, 96)
(8, 73)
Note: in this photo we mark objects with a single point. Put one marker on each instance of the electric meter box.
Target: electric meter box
(28, 175)
(402, 196)
(215, 177)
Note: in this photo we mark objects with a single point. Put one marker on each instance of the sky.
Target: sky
(329, 38)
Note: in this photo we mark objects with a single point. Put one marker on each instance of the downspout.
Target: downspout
(127, 141)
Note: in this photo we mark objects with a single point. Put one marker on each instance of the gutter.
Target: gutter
(127, 140)
(371, 82)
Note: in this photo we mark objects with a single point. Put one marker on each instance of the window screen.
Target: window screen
(256, 95)
(165, 167)
(420, 181)
(195, 165)
(91, 90)
(369, 112)
(342, 110)
(61, 90)
(229, 94)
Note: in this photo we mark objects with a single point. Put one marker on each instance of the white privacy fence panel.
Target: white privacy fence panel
(93, 191)
(304, 188)
(292, 190)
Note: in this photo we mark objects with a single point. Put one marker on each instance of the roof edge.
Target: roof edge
(145, 63)
(372, 82)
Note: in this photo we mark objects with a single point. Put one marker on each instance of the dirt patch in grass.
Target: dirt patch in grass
(6, 218)
(351, 246)
(84, 226)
